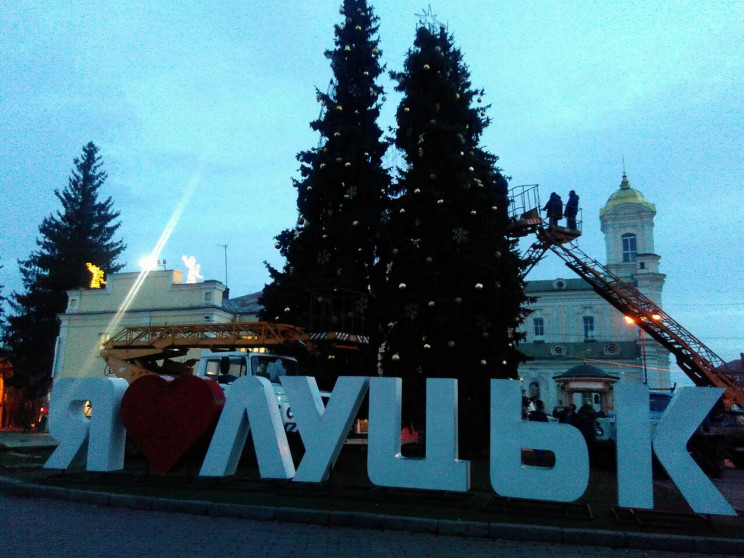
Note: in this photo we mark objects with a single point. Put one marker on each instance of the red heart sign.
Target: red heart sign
(165, 417)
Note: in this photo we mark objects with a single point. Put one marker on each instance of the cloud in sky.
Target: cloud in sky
(228, 87)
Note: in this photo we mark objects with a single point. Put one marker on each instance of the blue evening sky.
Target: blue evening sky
(205, 104)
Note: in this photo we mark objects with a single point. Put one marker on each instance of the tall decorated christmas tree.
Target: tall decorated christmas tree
(449, 289)
(83, 232)
(341, 192)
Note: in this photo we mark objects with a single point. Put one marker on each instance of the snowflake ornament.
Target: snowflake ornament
(324, 257)
(460, 235)
(411, 311)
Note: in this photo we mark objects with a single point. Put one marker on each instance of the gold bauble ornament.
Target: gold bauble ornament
(479, 286)
(427, 67)
(402, 286)
(395, 357)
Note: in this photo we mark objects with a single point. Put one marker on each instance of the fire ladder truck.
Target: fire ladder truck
(136, 350)
(703, 366)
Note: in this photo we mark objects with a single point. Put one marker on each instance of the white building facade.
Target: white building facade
(133, 299)
(571, 325)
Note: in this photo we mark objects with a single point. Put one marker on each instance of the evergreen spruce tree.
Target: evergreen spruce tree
(448, 290)
(341, 191)
(83, 231)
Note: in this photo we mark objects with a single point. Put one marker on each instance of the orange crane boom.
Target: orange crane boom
(703, 366)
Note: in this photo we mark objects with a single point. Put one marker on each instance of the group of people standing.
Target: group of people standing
(583, 419)
(554, 208)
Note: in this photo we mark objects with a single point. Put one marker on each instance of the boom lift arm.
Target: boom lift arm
(135, 350)
(699, 362)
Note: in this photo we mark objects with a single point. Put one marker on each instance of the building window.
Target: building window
(588, 327)
(208, 296)
(534, 391)
(630, 249)
(539, 324)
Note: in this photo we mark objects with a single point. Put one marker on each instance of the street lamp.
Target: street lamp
(631, 321)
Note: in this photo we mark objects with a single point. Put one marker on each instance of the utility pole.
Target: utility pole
(224, 246)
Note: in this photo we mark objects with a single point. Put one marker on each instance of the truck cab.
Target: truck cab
(227, 366)
(604, 428)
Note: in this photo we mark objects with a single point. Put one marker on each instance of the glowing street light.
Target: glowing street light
(631, 321)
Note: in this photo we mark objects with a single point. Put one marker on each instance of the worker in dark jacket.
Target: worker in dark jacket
(585, 422)
(572, 209)
(554, 207)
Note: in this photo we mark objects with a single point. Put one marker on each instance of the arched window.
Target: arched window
(534, 390)
(630, 249)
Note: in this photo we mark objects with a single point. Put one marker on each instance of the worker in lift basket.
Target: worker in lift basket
(554, 207)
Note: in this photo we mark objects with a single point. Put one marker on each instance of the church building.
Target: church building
(579, 344)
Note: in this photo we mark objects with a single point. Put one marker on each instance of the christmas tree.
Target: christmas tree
(81, 233)
(341, 193)
(448, 289)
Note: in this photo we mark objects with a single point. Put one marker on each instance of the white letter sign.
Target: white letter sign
(251, 405)
(440, 469)
(565, 482)
(680, 420)
(97, 441)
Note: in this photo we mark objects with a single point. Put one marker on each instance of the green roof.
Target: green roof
(625, 195)
(585, 371)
